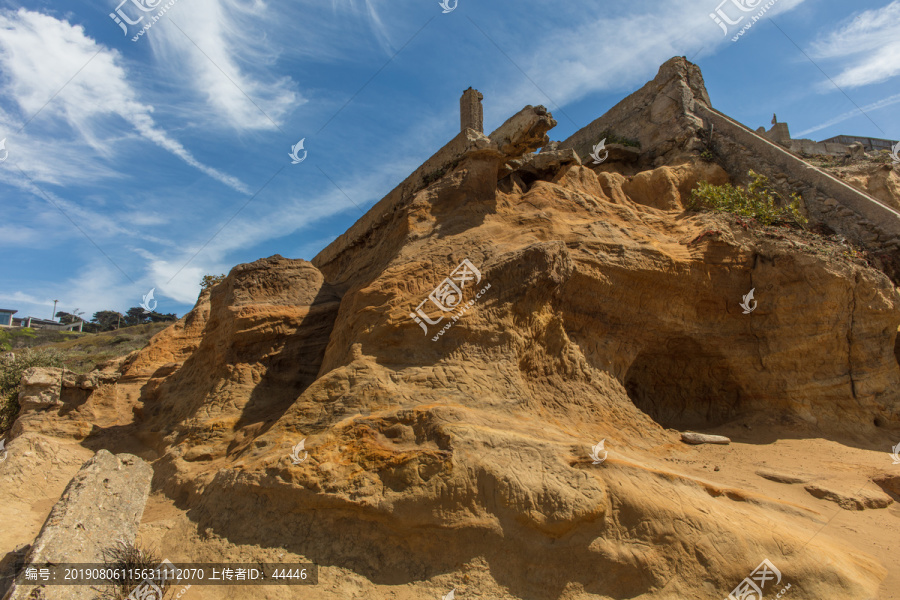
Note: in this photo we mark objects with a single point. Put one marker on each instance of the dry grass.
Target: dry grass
(81, 352)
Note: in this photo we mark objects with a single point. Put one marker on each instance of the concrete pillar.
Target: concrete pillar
(471, 113)
(780, 134)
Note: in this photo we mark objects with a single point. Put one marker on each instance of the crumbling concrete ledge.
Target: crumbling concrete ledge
(524, 132)
(103, 503)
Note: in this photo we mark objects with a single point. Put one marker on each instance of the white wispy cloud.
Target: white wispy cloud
(21, 297)
(222, 51)
(867, 47)
(178, 273)
(890, 101)
(39, 54)
(608, 49)
(46, 209)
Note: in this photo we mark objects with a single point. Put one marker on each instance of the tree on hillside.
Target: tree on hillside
(66, 318)
(135, 316)
(156, 317)
(106, 319)
(138, 316)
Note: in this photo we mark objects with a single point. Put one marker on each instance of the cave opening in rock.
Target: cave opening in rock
(683, 385)
(897, 348)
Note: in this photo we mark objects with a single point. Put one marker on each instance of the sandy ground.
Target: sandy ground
(847, 468)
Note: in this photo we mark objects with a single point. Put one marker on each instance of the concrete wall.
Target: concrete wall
(668, 117)
(780, 134)
(812, 148)
(829, 200)
(659, 115)
(433, 167)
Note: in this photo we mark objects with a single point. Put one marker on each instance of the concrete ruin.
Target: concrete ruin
(471, 113)
(842, 145)
(670, 120)
(103, 503)
(524, 132)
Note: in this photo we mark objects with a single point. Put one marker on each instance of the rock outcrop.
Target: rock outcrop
(861, 500)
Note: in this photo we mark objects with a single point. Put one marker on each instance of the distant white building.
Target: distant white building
(6, 317)
(7, 320)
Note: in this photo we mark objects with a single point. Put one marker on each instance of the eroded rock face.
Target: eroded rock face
(258, 341)
(605, 318)
(882, 182)
(860, 500)
(40, 388)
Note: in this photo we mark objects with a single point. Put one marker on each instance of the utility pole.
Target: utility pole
(53, 316)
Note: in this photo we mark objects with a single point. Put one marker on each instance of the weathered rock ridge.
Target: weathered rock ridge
(611, 313)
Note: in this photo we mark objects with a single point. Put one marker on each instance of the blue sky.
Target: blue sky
(147, 164)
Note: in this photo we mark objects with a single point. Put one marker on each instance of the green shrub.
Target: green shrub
(8, 337)
(758, 201)
(612, 138)
(11, 374)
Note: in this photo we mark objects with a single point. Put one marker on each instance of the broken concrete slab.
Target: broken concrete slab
(103, 503)
(540, 165)
(524, 132)
(703, 438)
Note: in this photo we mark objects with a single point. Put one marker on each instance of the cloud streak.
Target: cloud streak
(868, 47)
(890, 101)
(39, 54)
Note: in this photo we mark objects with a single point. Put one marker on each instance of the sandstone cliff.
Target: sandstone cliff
(598, 308)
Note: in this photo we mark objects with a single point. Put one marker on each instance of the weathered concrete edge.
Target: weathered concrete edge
(886, 218)
(453, 150)
(61, 517)
(624, 117)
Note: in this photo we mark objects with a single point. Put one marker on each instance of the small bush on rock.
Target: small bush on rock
(758, 201)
